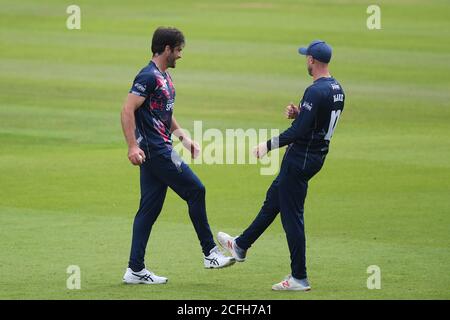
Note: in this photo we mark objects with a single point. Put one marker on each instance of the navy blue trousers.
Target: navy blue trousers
(156, 174)
(287, 196)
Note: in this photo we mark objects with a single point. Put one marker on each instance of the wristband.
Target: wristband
(269, 145)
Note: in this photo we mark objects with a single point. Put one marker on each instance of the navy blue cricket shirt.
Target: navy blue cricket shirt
(154, 117)
(311, 131)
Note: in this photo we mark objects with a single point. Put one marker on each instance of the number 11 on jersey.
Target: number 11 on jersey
(333, 122)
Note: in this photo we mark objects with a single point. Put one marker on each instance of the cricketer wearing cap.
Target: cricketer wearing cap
(148, 124)
(308, 140)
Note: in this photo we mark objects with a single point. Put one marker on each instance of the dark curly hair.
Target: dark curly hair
(163, 37)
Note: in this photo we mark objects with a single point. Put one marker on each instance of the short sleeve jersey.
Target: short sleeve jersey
(154, 116)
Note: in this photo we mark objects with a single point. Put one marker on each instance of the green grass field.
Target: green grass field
(69, 195)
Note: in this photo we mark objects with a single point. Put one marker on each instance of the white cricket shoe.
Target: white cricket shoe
(290, 283)
(144, 276)
(217, 259)
(228, 243)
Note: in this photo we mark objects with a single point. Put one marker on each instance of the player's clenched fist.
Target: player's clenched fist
(291, 111)
(136, 156)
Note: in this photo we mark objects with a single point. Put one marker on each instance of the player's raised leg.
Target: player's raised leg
(180, 178)
(238, 246)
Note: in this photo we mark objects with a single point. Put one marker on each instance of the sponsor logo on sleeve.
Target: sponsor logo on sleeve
(140, 87)
(307, 106)
(335, 86)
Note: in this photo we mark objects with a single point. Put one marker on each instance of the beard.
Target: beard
(309, 70)
(171, 62)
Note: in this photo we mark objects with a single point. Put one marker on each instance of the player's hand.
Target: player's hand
(192, 146)
(136, 155)
(291, 111)
(195, 149)
(260, 150)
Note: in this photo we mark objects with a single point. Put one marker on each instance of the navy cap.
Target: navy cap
(319, 50)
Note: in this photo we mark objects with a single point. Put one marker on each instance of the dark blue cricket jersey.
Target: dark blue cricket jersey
(311, 131)
(154, 116)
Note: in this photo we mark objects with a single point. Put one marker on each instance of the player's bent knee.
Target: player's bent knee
(200, 188)
(196, 191)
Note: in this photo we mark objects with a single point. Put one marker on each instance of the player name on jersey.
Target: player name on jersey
(338, 97)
